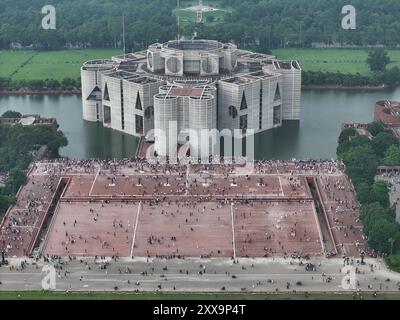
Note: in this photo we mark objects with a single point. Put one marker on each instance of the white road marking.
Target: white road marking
(134, 231)
(187, 181)
(94, 181)
(233, 233)
(280, 186)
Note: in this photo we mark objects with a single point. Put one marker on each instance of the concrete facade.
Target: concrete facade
(199, 84)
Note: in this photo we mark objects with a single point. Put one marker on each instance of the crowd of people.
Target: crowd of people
(181, 184)
(21, 223)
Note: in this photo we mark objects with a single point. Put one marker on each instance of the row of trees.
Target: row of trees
(16, 145)
(41, 84)
(89, 23)
(362, 157)
(378, 59)
(390, 78)
(268, 23)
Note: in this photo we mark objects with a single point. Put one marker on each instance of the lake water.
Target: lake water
(315, 136)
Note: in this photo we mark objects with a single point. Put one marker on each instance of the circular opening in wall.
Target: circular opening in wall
(174, 65)
(207, 65)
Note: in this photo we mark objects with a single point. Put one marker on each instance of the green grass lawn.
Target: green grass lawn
(12, 60)
(46, 295)
(49, 64)
(332, 60)
(66, 63)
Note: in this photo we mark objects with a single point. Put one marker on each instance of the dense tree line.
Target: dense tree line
(89, 23)
(378, 59)
(390, 78)
(16, 145)
(67, 83)
(265, 23)
(362, 156)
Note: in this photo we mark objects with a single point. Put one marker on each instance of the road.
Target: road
(249, 275)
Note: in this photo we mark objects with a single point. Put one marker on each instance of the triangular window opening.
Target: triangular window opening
(243, 105)
(138, 102)
(277, 93)
(106, 96)
(95, 94)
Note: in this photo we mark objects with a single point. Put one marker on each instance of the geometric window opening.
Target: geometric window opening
(149, 112)
(277, 93)
(95, 95)
(243, 105)
(243, 122)
(138, 102)
(277, 114)
(233, 112)
(139, 124)
(106, 95)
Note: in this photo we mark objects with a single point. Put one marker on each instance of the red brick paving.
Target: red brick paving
(110, 235)
(279, 229)
(262, 228)
(207, 230)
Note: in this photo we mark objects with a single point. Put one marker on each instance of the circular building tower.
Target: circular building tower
(91, 88)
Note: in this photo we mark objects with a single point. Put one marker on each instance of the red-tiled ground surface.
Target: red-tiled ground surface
(17, 229)
(272, 228)
(188, 229)
(161, 228)
(80, 185)
(141, 184)
(106, 230)
(343, 214)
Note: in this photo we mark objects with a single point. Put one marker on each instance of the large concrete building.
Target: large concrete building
(182, 87)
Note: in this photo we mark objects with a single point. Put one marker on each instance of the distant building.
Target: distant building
(388, 113)
(199, 84)
(28, 120)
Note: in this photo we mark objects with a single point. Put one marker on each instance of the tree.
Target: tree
(5, 202)
(363, 192)
(11, 114)
(346, 134)
(382, 142)
(392, 76)
(378, 59)
(380, 193)
(392, 156)
(361, 163)
(15, 180)
(380, 233)
(353, 142)
(372, 212)
(375, 127)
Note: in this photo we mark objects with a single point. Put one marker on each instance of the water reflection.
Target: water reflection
(315, 136)
(280, 143)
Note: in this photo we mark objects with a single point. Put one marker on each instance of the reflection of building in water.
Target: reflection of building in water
(199, 84)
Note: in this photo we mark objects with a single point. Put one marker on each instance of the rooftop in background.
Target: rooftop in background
(388, 113)
(28, 120)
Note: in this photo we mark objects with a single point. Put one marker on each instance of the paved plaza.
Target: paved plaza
(133, 209)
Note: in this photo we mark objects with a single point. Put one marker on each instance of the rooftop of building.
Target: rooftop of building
(245, 64)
